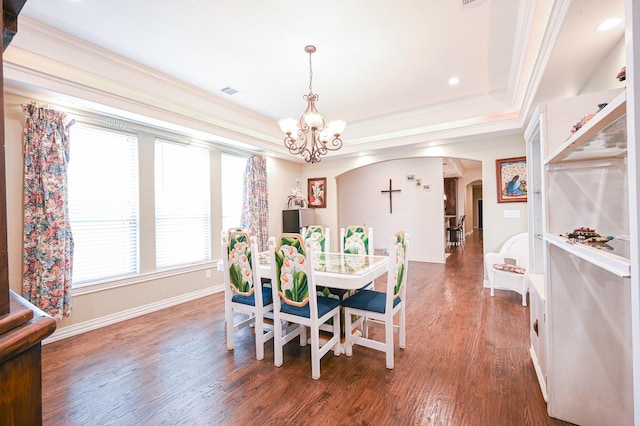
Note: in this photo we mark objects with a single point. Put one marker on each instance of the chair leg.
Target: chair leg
(492, 277)
(277, 342)
(315, 353)
(348, 342)
(402, 334)
(228, 318)
(388, 331)
(259, 330)
(303, 335)
(336, 332)
(365, 327)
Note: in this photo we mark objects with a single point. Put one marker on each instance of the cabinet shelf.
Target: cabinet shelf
(602, 137)
(580, 314)
(614, 259)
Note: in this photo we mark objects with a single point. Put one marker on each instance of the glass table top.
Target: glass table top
(338, 263)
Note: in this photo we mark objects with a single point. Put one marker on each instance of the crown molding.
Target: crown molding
(48, 60)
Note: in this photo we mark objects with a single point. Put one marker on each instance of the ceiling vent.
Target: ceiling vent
(231, 91)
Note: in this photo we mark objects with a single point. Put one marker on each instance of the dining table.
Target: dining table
(343, 271)
(333, 269)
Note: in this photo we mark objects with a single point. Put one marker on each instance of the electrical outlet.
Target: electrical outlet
(207, 273)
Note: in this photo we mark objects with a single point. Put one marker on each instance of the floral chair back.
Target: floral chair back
(239, 256)
(230, 230)
(355, 240)
(291, 272)
(399, 271)
(316, 234)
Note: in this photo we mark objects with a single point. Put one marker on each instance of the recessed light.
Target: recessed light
(453, 81)
(609, 24)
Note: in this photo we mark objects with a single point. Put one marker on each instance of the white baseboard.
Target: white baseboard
(94, 324)
(541, 378)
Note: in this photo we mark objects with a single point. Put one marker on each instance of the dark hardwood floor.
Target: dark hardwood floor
(466, 363)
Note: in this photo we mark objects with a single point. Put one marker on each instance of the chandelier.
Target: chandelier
(310, 136)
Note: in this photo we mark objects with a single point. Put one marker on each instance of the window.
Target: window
(183, 204)
(232, 179)
(103, 203)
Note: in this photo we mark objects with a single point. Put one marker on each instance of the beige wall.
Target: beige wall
(497, 229)
(604, 77)
(416, 211)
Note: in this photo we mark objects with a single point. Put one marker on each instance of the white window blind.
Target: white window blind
(183, 212)
(232, 178)
(103, 203)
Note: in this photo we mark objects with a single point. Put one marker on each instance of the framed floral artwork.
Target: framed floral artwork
(511, 174)
(317, 192)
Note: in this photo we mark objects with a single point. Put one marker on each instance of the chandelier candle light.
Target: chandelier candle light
(310, 136)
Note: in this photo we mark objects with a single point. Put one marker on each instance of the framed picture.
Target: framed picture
(317, 192)
(511, 175)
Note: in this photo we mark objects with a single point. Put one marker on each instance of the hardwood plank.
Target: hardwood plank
(466, 363)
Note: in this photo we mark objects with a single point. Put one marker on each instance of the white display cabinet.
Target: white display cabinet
(582, 350)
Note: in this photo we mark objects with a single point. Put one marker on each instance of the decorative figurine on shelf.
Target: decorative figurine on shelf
(622, 75)
(576, 127)
(583, 121)
(296, 199)
(587, 235)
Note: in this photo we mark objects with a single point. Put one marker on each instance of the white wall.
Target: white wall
(465, 192)
(416, 211)
(497, 228)
(281, 177)
(605, 76)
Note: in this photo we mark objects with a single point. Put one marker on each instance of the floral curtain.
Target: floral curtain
(48, 243)
(255, 204)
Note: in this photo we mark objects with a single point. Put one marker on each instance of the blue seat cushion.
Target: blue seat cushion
(267, 298)
(325, 304)
(369, 300)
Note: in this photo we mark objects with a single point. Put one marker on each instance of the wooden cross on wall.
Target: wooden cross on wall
(390, 191)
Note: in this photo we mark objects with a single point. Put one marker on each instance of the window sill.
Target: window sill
(87, 288)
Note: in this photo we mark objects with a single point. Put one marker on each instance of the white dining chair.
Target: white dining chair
(357, 239)
(320, 239)
(319, 236)
(296, 301)
(244, 292)
(371, 308)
